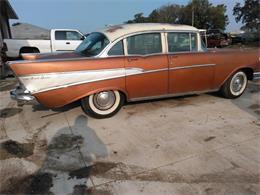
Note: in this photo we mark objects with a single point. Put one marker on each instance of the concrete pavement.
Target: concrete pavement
(201, 144)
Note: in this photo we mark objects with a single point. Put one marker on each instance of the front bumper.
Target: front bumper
(21, 95)
(256, 76)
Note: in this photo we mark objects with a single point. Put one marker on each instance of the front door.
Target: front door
(189, 70)
(146, 66)
(66, 40)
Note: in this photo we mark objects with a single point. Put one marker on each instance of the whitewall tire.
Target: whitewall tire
(235, 85)
(103, 104)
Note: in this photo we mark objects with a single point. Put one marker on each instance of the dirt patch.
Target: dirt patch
(209, 138)
(38, 184)
(254, 106)
(7, 85)
(10, 149)
(79, 189)
(254, 88)
(97, 169)
(80, 173)
(257, 112)
(9, 112)
(33, 184)
(65, 142)
(92, 191)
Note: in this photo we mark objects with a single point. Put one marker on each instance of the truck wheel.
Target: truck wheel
(103, 104)
(235, 85)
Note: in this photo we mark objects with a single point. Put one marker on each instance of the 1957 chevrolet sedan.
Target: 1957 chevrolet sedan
(133, 62)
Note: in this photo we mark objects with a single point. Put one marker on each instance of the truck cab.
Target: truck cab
(65, 39)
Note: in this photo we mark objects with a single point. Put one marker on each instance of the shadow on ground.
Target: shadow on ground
(247, 102)
(68, 161)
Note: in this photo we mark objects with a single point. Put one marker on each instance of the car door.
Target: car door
(66, 40)
(146, 66)
(189, 69)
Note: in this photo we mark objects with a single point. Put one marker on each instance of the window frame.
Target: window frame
(142, 33)
(164, 40)
(190, 51)
(123, 47)
(65, 31)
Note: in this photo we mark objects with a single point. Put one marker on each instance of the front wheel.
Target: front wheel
(103, 104)
(235, 85)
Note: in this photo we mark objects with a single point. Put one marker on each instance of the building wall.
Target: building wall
(4, 26)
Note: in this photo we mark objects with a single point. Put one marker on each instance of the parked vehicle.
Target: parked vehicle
(59, 40)
(133, 62)
(217, 38)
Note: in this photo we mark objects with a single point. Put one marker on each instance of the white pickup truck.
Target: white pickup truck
(58, 40)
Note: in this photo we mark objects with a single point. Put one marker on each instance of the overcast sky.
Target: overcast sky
(88, 15)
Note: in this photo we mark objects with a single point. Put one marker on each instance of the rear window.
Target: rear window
(182, 42)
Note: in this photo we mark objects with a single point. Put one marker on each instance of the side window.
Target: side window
(178, 42)
(73, 35)
(143, 44)
(117, 49)
(181, 42)
(60, 35)
(67, 35)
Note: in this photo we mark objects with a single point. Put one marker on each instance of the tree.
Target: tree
(249, 14)
(138, 18)
(205, 15)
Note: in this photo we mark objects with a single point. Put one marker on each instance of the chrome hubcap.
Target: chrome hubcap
(237, 83)
(104, 100)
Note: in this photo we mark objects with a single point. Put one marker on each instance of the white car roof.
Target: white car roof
(117, 31)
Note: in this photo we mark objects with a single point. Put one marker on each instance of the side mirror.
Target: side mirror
(82, 38)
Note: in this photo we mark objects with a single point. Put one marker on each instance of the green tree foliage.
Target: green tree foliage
(249, 14)
(206, 15)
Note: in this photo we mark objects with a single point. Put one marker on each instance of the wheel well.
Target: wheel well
(249, 73)
(29, 50)
(124, 94)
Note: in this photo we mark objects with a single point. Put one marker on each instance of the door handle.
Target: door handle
(174, 56)
(67, 43)
(132, 59)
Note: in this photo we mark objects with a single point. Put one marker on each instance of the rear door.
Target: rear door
(66, 40)
(146, 66)
(189, 70)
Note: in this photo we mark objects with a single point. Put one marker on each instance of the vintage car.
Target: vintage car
(133, 62)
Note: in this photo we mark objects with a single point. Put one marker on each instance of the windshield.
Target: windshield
(92, 45)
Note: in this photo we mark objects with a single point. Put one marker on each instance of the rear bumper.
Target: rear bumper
(21, 95)
(256, 76)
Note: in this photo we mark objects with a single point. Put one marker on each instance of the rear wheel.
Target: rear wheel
(103, 104)
(235, 85)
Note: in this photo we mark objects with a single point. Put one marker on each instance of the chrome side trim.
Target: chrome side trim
(147, 71)
(256, 76)
(37, 83)
(170, 95)
(192, 66)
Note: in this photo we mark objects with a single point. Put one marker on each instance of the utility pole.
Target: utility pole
(192, 17)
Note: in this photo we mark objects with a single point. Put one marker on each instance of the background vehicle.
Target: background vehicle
(58, 40)
(217, 38)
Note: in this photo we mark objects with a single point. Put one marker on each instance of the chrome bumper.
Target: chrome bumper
(256, 75)
(21, 95)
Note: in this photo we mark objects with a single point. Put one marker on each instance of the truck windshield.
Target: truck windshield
(92, 45)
